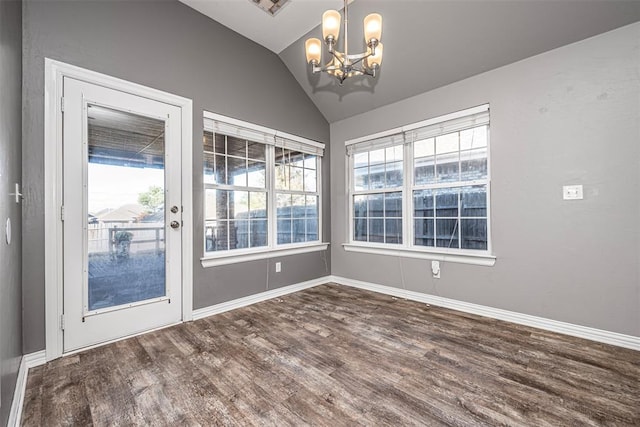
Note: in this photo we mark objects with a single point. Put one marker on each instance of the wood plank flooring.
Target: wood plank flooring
(337, 356)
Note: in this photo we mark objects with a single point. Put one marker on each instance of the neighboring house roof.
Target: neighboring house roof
(124, 213)
(101, 212)
(154, 216)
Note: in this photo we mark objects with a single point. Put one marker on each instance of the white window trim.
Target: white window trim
(460, 256)
(272, 249)
(408, 249)
(252, 255)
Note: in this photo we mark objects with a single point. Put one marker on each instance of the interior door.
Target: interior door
(121, 214)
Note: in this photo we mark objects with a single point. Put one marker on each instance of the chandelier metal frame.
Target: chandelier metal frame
(342, 64)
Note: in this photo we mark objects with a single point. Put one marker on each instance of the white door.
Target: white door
(121, 214)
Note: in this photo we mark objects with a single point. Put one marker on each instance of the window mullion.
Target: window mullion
(407, 196)
(460, 218)
(318, 197)
(240, 150)
(349, 183)
(452, 158)
(271, 197)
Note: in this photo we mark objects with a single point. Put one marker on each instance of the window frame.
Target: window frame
(304, 193)
(272, 139)
(401, 136)
(383, 191)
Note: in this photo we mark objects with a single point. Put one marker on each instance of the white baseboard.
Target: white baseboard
(35, 359)
(28, 361)
(252, 299)
(599, 335)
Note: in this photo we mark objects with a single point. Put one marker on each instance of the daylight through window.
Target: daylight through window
(261, 188)
(423, 187)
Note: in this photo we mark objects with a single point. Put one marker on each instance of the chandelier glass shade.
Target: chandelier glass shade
(343, 65)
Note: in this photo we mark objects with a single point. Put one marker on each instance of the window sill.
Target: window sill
(483, 259)
(234, 258)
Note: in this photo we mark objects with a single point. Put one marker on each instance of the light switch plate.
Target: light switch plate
(572, 192)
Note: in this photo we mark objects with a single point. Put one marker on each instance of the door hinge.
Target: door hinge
(62, 104)
(62, 322)
(62, 213)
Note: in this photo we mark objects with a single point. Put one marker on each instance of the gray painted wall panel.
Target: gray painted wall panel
(10, 173)
(168, 46)
(262, 276)
(429, 44)
(568, 116)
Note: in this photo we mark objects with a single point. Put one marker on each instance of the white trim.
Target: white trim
(35, 359)
(55, 71)
(15, 413)
(428, 122)
(229, 257)
(52, 204)
(593, 334)
(453, 122)
(126, 337)
(187, 211)
(247, 125)
(377, 135)
(201, 313)
(27, 362)
(401, 251)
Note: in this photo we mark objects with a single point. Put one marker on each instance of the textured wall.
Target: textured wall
(428, 44)
(10, 170)
(168, 46)
(568, 116)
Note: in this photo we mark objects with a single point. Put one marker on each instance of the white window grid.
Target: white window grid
(301, 193)
(408, 209)
(383, 191)
(225, 186)
(272, 140)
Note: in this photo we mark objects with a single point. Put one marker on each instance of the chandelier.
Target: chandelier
(342, 64)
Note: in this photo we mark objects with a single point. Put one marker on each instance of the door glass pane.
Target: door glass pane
(125, 201)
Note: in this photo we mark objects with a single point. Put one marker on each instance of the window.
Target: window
(261, 188)
(235, 192)
(424, 187)
(296, 196)
(377, 200)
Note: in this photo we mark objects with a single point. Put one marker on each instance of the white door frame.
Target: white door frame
(55, 71)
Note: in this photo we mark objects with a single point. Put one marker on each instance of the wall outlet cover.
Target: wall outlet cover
(572, 192)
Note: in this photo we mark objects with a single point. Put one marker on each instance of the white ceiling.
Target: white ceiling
(275, 33)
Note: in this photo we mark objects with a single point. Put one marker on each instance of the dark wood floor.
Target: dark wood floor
(333, 356)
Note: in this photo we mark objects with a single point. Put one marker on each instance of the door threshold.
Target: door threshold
(91, 347)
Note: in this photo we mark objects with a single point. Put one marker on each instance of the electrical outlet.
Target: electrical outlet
(435, 269)
(572, 192)
(278, 267)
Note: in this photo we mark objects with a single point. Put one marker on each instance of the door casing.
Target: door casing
(55, 71)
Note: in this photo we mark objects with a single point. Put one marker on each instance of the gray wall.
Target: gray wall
(10, 171)
(569, 116)
(167, 46)
(425, 47)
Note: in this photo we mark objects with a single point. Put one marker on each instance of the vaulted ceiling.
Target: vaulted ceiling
(427, 44)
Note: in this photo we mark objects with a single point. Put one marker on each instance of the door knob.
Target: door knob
(175, 224)
(174, 209)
